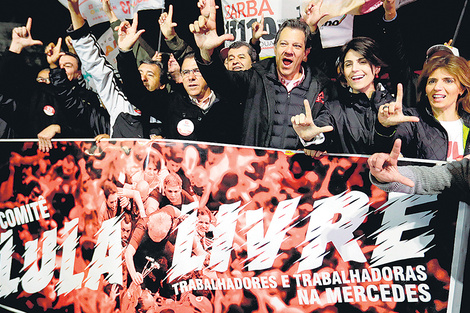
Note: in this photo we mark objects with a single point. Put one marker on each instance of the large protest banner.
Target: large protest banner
(250, 230)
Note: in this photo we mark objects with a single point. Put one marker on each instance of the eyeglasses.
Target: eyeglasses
(43, 80)
(195, 71)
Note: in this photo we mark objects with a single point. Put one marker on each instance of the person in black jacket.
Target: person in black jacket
(444, 112)
(350, 124)
(40, 109)
(273, 89)
(81, 106)
(191, 112)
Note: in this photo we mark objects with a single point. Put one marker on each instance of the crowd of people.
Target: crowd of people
(230, 96)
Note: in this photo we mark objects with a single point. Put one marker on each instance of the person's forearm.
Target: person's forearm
(76, 17)
(129, 256)
(428, 180)
(15, 47)
(206, 55)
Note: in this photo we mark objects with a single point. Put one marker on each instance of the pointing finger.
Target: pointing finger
(170, 12)
(395, 153)
(308, 111)
(399, 93)
(29, 23)
(135, 21)
(59, 42)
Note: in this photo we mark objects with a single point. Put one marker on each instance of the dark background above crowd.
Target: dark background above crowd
(424, 23)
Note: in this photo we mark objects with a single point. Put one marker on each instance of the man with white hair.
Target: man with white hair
(154, 236)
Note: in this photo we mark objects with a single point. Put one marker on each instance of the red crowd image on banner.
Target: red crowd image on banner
(170, 226)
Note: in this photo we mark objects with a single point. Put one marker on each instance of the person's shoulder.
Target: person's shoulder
(187, 198)
(156, 194)
(465, 117)
(171, 210)
(264, 65)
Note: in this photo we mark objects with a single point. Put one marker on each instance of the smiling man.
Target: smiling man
(240, 56)
(273, 89)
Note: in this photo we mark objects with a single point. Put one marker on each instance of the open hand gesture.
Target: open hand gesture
(383, 166)
(305, 127)
(391, 114)
(21, 37)
(128, 34)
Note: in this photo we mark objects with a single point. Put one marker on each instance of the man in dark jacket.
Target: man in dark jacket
(273, 90)
(41, 109)
(81, 106)
(191, 112)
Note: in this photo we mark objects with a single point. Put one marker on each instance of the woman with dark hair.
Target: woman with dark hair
(444, 112)
(349, 124)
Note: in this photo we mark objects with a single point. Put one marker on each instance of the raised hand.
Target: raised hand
(383, 166)
(107, 8)
(312, 14)
(53, 53)
(305, 127)
(205, 33)
(257, 29)
(391, 114)
(205, 5)
(21, 38)
(128, 34)
(166, 24)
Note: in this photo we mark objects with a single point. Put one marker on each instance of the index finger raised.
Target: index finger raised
(135, 21)
(395, 153)
(308, 111)
(170, 12)
(399, 93)
(29, 23)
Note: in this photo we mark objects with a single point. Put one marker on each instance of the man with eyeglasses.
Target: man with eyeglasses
(192, 111)
(196, 112)
(273, 89)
